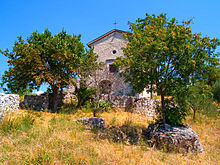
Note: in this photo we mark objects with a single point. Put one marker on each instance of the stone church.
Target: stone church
(108, 47)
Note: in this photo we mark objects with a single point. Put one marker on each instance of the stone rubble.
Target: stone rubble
(93, 122)
(8, 103)
(180, 139)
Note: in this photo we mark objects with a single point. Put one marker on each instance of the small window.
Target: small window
(114, 52)
(113, 68)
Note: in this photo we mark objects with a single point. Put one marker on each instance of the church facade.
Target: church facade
(109, 47)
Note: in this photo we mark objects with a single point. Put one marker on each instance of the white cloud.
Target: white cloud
(39, 92)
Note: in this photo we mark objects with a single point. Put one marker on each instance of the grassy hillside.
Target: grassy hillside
(30, 137)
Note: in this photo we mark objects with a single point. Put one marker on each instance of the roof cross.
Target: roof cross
(115, 23)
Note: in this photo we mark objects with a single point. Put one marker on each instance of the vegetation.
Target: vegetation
(216, 91)
(164, 52)
(44, 58)
(57, 139)
(83, 94)
(200, 99)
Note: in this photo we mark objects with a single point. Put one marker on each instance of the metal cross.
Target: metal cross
(115, 23)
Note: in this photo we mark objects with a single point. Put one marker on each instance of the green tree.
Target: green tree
(44, 58)
(166, 53)
(200, 99)
(216, 91)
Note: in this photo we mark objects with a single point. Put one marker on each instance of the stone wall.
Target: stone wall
(35, 102)
(8, 103)
(41, 102)
(143, 106)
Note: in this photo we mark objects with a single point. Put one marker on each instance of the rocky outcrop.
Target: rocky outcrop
(178, 139)
(8, 103)
(93, 122)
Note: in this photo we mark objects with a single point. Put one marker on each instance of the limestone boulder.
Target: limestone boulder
(173, 139)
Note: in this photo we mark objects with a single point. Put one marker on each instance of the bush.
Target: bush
(175, 112)
(104, 106)
(83, 94)
(69, 108)
(126, 134)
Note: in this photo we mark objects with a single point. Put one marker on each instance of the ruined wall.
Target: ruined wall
(41, 102)
(35, 102)
(8, 103)
(143, 106)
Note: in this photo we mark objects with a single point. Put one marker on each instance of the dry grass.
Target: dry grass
(57, 139)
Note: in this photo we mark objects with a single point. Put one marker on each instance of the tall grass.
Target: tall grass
(20, 123)
(50, 138)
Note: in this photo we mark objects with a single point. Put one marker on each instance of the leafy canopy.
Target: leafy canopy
(43, 58)
(166, 53)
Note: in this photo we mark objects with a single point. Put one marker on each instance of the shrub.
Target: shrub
(69, 108)
(175, 112)
(104, 106)
(83, 94)
(124, 134)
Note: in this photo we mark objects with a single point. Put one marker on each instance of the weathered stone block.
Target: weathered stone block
(178, 139)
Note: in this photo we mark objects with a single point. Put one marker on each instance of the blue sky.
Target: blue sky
(92, 18)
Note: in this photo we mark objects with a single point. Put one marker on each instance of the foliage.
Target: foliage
(216, 91)
(164, 52)
(104, 106)
(44, 58)
(211, 75)
(69, 108)
(83, 93)
(124, 134)
(175, 114)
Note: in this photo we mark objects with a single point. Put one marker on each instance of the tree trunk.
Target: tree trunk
(194, 114)
(79, 104)
(163, 107)
(53, 99)
(95, 108)
(94, 111)
(151, 92)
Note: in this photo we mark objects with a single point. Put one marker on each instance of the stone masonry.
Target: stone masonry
(108, 47)
(35, 102)
(143, 106)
